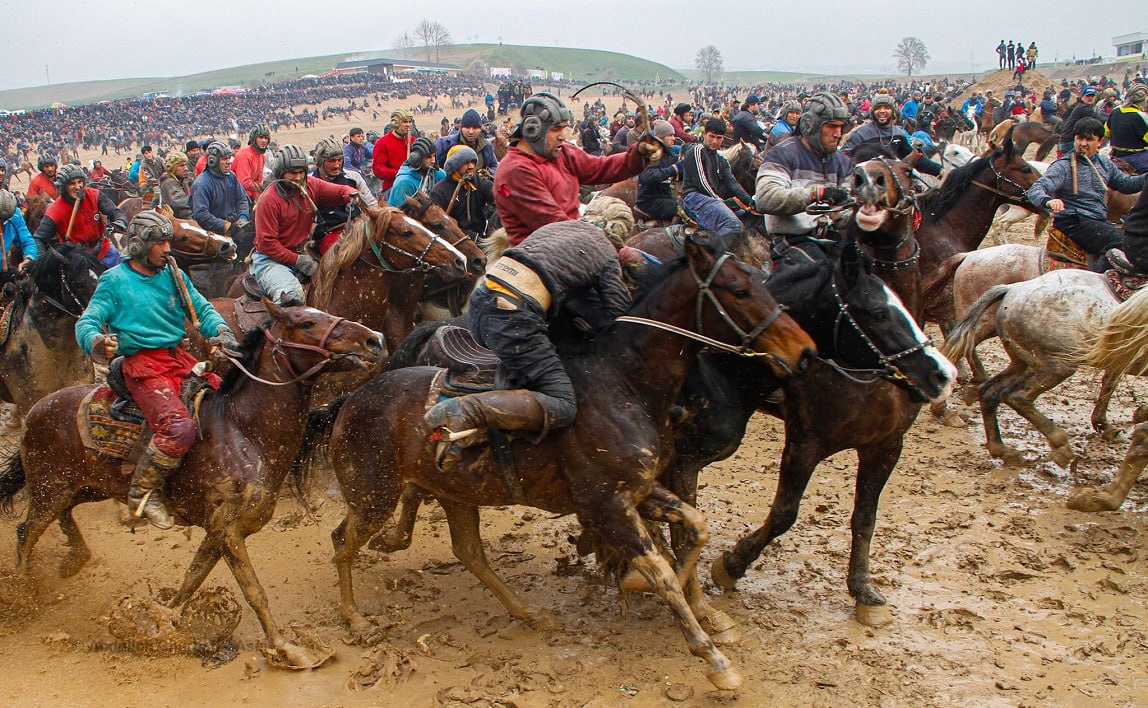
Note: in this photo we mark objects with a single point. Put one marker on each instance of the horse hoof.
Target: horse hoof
(633, 581)
(720, 576)
(545, 621)
(953, 419)
(874, 615)
(727, 679)
(1091, 500)
(970, 395)
(1062, 456)
(363, 632)
(721, 628)
(1011, 457)
(298, 658)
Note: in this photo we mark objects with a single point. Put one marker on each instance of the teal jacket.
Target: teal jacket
(145, 312)
(409, 181)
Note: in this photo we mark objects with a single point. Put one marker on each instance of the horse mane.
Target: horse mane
(416, 204)
(650, 280)
(47, 270)
(234, 378)
(936, 205)
(357, 236)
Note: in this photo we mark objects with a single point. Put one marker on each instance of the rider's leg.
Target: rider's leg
(1095, 236)
(713, 214)
(277, 280)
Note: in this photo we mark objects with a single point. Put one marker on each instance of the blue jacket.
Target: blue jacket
(1087, 201)
(15, 228)
(909, 110)
(216, 200)
(780, 129)
(408, 181)
(486, 158)
(355, 157)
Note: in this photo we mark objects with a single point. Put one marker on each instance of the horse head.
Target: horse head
(306, 341)
(401, 243)
(67, 275)
(1013, 174)
(420, 207)
(190, 239)
(883, 189)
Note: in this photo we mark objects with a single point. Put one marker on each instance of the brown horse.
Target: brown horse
(228, 483)
(440, 292)
(1030, 132)
(132, 206)
(34, 208)
(604, 468)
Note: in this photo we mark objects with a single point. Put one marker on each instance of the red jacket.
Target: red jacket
(531, 191)
(248, 167)
(680, 131)
(390, 153)
(88, 226)
(200, 164)
(282, 225)
(39, 184)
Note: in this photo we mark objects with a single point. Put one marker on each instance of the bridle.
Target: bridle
(705, 294)
(419, 259)
(65, 288)
(1020, 201)
(282, 360)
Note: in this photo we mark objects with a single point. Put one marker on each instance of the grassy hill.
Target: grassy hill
(750, 78)
(579, 64)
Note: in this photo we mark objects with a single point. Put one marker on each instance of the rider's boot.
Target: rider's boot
(463, 421)
(145, 497)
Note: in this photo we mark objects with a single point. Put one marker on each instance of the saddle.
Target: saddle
(12, 301)
(649, 222)
(250, 313)
(1123, 278)
(470, 367)
(1061, 252)
(111, 423)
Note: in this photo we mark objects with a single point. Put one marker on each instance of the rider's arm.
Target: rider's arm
(776, 193)
(1121, 182)
(116, 218)
(1049, 185)
(201, 207)
(615, 294)
(46, 232)
(365, 193)
(328, 193)
(725, 176)
(654, 175)
(591, 169)
(267, 229)
(527, 196)
(27, 243)
(96, 315)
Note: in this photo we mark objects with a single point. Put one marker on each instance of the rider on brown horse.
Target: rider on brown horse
(330, 158)
(175, 185)
(882, 128)
(81, 215)
(569, 266)
(15, 231)
(143, 307)
(1128, 129)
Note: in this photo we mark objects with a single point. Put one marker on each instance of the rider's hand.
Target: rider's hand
(306, 265)
(104, 348)
(23, 264)
(829, 194)
(651, 149)
(225, 339)
(1055, 205)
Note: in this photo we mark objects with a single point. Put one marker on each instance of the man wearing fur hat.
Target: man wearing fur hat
(175, 186)
(1128, 129)
(464, 194)
(881, 127)
(392, 149)
(469, 134)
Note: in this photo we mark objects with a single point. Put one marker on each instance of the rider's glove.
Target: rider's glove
(651, 149)
(306, 265)
(828, 194)
(225, 339)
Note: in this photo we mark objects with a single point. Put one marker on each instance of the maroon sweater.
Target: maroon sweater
(283, 224)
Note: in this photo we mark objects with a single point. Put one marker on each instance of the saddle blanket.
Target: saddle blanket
(110, 429)
(1061, 252)
(1123, 285)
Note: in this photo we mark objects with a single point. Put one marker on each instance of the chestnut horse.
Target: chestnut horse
(442, 293)
(228, 483)
(604, 468)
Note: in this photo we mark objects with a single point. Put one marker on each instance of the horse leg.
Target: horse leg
(990, 392)
(875, 465)
(78, 551)
(1022, 399)
(361, 522)
(620, 525)
(1113, 494)
(466, 542)
(43, 509)
(663, 506)
(798, 461)
(396, 535)
(1100, 410)
(206, 556)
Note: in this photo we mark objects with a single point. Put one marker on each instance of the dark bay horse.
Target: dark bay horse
(442, 292)
(41, 354)
(604, 468)
(228, 484)
(1031, 131)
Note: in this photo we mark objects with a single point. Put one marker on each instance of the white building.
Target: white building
(1130, 44)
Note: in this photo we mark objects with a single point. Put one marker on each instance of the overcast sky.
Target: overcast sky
(109, 39)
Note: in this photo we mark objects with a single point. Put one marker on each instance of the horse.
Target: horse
(950, 122)
(604, 468)
(445, 294)
(1010, 215)
(1031, 131)
(41, 355)
(228, 483)
(34, 208)
(1043, 324)
(132, 206)
(116, 186)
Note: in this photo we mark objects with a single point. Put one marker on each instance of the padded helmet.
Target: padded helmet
(148, 227)
(44, 161)
(258, 131)
(327, 149)
(790, 106)
(820, 109)
(883, 99)
(68, 173)
(420, 150)
(541, 112)
(7, 205)
(291, 157)
(372, 136)
(399, 115)
(216, 152)
(174, 159)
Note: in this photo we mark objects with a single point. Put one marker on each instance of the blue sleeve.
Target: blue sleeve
(441, 147)
(489, 159)
(200, 211)
(242, 203)
(24, 236)
(1046, 188)
(96, 314)
(134, 172)
(348, 154)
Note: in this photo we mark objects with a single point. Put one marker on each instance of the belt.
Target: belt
(508, 276)
(1128, 151)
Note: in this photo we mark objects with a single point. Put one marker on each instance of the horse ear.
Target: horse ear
(1009, 148)
(274, 310)
(911, 160)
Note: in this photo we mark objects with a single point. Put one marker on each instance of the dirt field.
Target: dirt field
(1000, 596)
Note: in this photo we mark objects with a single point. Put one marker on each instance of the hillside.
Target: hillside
(750, 78)
(575, 64)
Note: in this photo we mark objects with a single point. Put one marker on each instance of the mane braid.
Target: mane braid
(936, 205)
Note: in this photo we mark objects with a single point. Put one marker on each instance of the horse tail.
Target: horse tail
(1122, 345)
(314, 447)
(962, 339)
(11, 481)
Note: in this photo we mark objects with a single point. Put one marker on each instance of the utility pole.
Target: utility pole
(47, 77)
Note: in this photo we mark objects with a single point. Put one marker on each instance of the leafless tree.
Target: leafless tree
(433, 35)
(709, 63)
(911, 55)
(404, 42)
(478, 68)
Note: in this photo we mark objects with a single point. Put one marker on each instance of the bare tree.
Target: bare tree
(425, 34)
(478, 68)
(440, 39)
(404, 42)
(709, 63)
(911, 55)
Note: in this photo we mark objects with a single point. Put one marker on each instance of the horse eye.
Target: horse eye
(307, 325)
(742, 294)
(1027, 170)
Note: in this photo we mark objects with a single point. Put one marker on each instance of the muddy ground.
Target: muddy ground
(1000, 596)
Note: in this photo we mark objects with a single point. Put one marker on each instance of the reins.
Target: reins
(277, 351)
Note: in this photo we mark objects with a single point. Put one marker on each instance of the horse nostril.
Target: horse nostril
(375, 344)
(460, 265)
(807, 357)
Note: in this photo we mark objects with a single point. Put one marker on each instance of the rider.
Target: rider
(655, 198)
(218, 202)
(284, 219)
(810, 169)
(469, 134)
(928, 113)
(1073, 190)
(707, 184)
(464, 194)
(569, 266)
(537, 182)
(881, 127)
(45, 182)
(745, 125)
(1085, 107)
(81, 215)
(329, 161)
(15, 231)
(786, 122)
(418, 174)
(151, 170)
(392, 149)
(142, 309)
(175, 187)
(909, 111)
(1048, 111)
(1128, 129)
(249, 161)
(682, 122)
(355, 155)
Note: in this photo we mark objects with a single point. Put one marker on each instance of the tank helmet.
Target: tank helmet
(7, 204)
(420, 150)
(883, 99)
(820, 109)
(147, 228)
(44, 161)
(541, 112)
(328, 149)
(291, 157)
(216, 152)
(68, 173)
(174, 159)
(258, 131)
(790, 106)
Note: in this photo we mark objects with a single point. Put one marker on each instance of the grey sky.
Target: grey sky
(109, 39)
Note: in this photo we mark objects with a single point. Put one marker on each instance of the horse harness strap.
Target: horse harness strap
(705, 293)
(886, 360)
(904, 263)
(279, 345)
(1020, 200)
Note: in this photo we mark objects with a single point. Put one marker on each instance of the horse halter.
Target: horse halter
(1020, 200)
(420, 265)
(278, 353)
(888, 371)
(906, 202)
